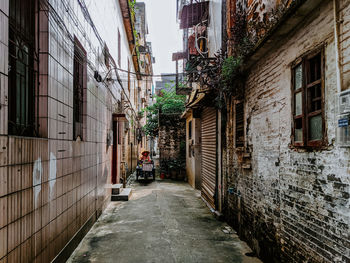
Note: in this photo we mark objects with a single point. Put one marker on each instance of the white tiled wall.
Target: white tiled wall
(50, 186)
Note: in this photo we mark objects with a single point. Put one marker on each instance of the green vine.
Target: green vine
(231, 69)
(223, 74)
(132, 6)
(168, 104)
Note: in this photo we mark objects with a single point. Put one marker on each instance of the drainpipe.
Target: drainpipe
(337, 45)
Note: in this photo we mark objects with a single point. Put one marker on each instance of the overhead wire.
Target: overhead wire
(59, 23)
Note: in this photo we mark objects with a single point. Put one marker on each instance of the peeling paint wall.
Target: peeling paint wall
(260, 15)
(190, 162)
(292, 205)
(193, 151)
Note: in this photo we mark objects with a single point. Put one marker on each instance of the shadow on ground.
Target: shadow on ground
(164, 221)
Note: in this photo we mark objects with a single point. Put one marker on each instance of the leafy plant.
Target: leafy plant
(231, 69)
(167, 103)
(132, 6)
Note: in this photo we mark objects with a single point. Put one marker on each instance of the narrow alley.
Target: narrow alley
(165, 221)
(183, 131)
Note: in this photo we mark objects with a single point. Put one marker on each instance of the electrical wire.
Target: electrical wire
(63, 26)
(60, 24)
(60, 28)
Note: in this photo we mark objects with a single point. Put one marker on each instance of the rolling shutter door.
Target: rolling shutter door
(209, 155)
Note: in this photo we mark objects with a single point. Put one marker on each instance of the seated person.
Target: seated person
(145, 156)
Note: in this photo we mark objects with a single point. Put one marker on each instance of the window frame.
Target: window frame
(190, 129)
(238, 143)
(306, 114)
(28, 38)
(82, 103)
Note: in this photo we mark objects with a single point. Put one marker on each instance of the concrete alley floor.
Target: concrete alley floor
(165, 221)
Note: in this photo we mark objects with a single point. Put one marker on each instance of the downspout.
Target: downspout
(337, 45)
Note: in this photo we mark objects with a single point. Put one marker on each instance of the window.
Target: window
(79, 82)
(23, 65)
(119, 50)
(307, 101)
(239, 123)
(190, 130)
(129, 76)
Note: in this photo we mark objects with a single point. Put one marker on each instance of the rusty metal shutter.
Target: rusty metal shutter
(209, 155)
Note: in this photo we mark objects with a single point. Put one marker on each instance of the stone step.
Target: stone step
(116, 189)
(124, 195)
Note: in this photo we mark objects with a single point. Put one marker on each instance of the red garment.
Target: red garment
(192, 45)
(145, 158)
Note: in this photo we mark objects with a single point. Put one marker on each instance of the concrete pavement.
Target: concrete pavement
(165, 221)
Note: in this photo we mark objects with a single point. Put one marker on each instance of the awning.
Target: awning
(194, 14)
(195, 99)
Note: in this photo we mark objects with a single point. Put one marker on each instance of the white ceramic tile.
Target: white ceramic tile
(5, 6)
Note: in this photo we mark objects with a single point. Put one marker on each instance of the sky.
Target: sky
(164, 33)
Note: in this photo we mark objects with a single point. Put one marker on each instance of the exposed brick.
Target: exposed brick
(294, 200)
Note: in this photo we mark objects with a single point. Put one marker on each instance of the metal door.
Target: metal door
(208, 130)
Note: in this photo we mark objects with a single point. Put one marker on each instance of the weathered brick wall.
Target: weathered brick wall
(292, 205)
(262, 15)
(172, 132)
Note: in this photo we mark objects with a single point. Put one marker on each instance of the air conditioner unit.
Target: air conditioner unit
(343, 119)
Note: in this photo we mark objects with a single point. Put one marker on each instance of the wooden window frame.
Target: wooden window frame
(80, 107)
(306, 114)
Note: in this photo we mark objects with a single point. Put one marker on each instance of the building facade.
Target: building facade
(283, 161)
(202, 26)
(146, 83)
(66, 118)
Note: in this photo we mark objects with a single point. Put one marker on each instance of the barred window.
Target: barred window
(307, 101)
(239, 123)
(23, 66)
(79, 90)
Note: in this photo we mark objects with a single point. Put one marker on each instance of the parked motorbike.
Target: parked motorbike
(145, 170)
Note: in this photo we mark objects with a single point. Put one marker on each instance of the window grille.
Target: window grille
(23, 66)
(239, 133)
(79, 81)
